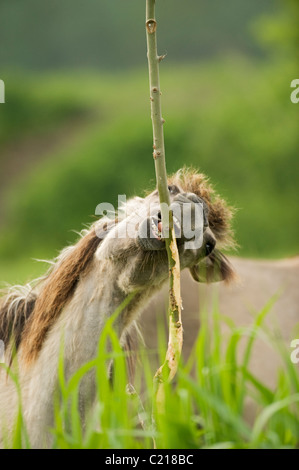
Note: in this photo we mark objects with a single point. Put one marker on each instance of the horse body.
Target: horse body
(85, 286)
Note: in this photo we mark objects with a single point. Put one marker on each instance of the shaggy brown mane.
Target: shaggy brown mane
(57, 289)
(220, 214)
(15, 309)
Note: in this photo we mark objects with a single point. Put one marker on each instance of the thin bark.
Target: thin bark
(168, 369)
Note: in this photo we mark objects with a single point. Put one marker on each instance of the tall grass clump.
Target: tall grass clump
(204, 408)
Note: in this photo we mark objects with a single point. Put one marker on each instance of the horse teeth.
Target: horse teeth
(154, 228)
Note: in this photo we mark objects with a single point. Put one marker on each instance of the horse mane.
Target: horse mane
(27, 316)
(15, 309)
(57, 289)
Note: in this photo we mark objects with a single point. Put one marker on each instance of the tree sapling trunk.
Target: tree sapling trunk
(168, 369)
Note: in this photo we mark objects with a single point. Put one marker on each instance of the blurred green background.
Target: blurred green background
(75, 129)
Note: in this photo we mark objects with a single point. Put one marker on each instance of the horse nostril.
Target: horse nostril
(210, 245)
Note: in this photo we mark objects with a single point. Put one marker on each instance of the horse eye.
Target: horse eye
(173, 189)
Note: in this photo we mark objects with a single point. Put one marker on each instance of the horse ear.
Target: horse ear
(214, 268)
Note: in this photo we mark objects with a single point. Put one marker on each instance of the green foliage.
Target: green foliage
(233, 119)
(279, 32)
(27, 111)
(110, 34)
(204, 410)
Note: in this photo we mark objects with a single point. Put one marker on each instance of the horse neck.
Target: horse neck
(97, 297)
